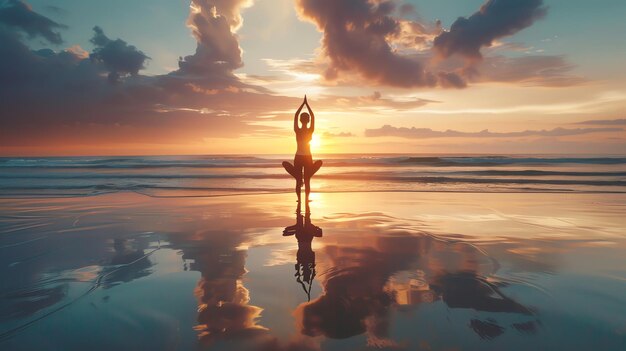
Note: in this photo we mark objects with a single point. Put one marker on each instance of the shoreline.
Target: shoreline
(259, 193)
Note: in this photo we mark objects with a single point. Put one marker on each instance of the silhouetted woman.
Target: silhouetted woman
(303, 167)
(305, 257)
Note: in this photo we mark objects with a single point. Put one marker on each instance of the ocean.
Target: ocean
(238, 174)
(413, 252)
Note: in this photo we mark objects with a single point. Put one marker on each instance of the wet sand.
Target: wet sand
(415, 271)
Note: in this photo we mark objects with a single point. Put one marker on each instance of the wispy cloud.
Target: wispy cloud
(338, 135)
(605, 122)
(423, 133)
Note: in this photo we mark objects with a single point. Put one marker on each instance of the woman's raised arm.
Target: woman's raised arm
(312, 127)
(295, 117)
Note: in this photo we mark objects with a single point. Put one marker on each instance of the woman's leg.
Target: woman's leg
(299, 169)
(316, 167)
(298, 188)
(308, 173)
(291, 169)
(307, 188)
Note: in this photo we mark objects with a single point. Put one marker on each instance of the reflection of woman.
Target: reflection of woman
(303, 166)
(305, 265)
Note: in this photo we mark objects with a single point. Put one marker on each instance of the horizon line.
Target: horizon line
(455, 154)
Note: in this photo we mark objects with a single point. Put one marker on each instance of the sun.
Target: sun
(315, 143)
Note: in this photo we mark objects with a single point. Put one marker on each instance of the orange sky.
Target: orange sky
(416, 86)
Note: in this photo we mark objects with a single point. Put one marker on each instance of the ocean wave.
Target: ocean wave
(391, 175)
(504, 160)
(133, 162)
(96, 175)
(346, 177)
(261, 162)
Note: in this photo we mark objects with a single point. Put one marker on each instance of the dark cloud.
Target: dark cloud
(372, 39)
(451, 80)
(424, 133)
(605, 122)
(116, 55)
(494, 20)
(461, 46)
(356, 37)
(19, 15)
(64, 97)
(42, 77)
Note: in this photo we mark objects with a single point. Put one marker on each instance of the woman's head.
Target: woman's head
(305, 118)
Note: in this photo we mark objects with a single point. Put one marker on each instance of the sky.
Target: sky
(382, 76)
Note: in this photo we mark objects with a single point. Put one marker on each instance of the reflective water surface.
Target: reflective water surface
(414, 271)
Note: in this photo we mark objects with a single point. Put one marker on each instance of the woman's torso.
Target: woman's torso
(303, 137)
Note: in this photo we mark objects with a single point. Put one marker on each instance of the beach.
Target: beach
(312, 175)
(407, 270)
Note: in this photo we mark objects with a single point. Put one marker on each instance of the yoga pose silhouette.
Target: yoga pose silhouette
(303, 167)
(304, 231)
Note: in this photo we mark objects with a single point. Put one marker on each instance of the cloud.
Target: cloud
(461, 49)
(375, 40)
(424, 133)
(451, 80)
(338, 135)
(65, 98)
(19, 15)
(356, 38)
(213, 24)
(494, 20)
(230, 9)
(605, 122)
(43, 76)
(116, 55)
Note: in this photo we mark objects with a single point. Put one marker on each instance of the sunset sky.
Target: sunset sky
(383, 76)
